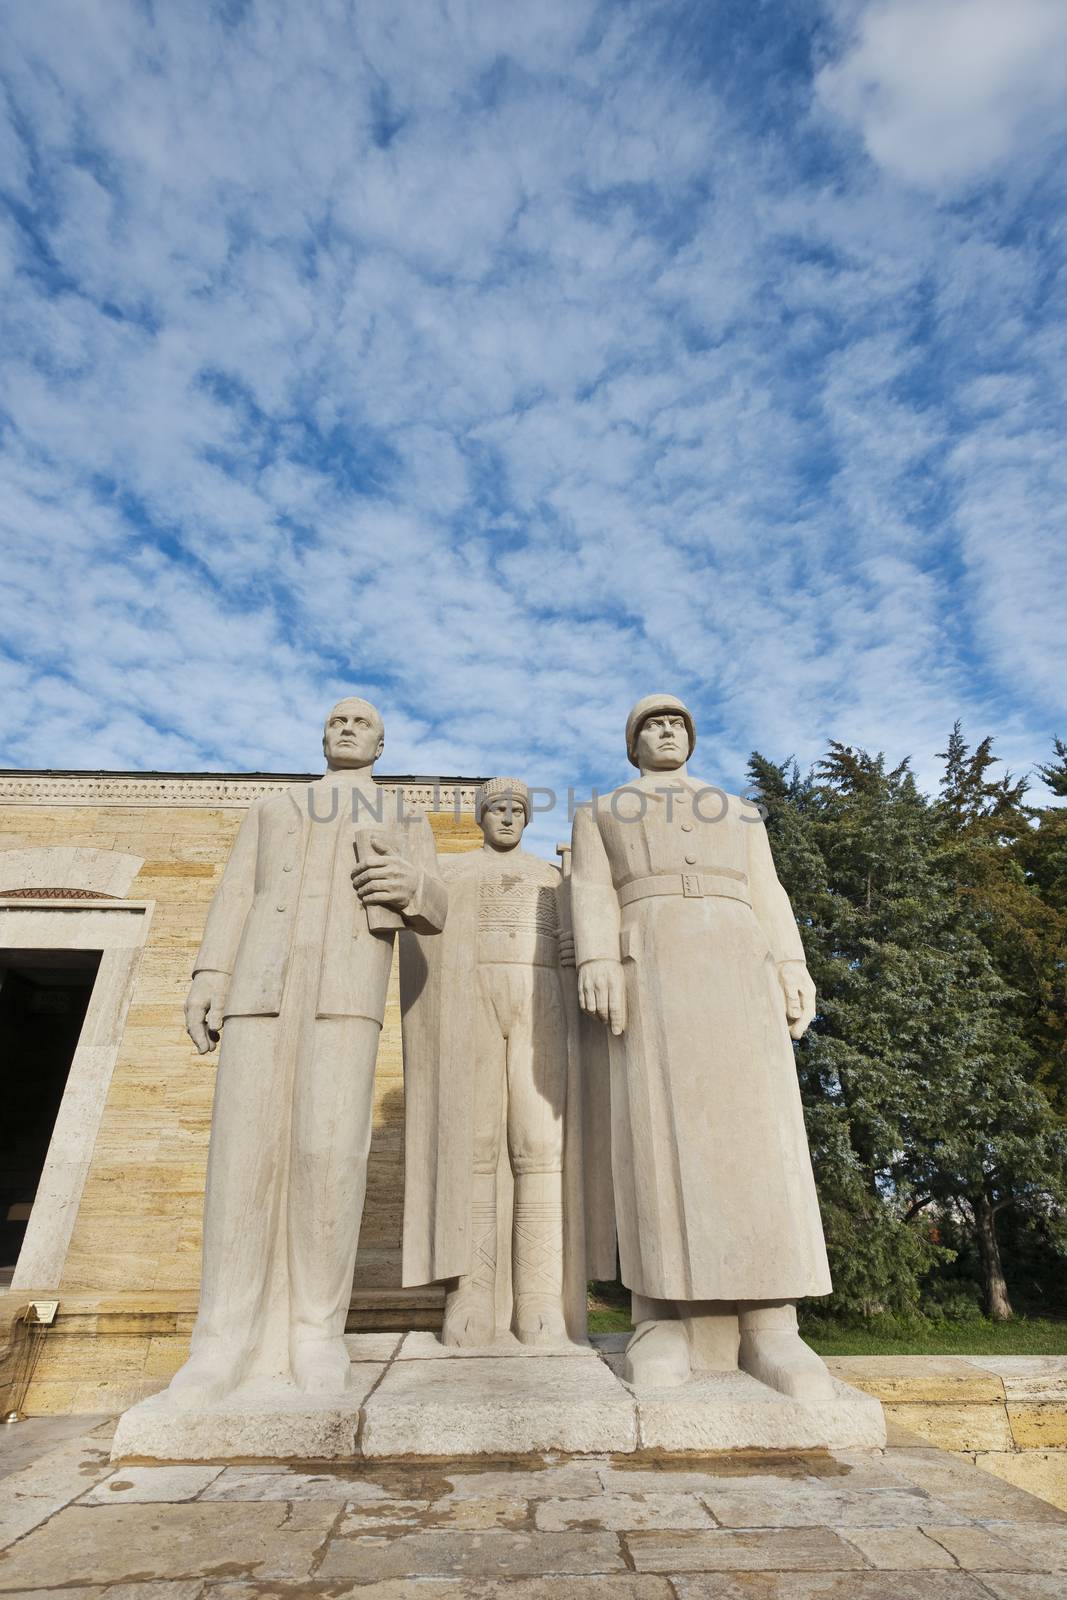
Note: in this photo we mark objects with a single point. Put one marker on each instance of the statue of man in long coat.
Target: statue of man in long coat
(688, 951)
(293, 971)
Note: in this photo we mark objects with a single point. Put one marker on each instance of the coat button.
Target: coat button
(690, 861)
(687, 827)
(287, 866)
(281, 905)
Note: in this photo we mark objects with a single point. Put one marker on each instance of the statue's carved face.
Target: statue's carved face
(503, 820)
(353, 735)
(662, 743)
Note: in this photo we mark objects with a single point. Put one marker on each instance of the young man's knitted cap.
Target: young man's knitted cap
(494, 788)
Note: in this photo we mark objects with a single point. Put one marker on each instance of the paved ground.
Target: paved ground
(909, 1523)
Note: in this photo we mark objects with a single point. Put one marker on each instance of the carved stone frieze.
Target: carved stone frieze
(200, 789)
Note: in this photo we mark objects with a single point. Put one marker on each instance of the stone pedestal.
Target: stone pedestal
(264, 1420)
(508, 1399)
(412, 1398)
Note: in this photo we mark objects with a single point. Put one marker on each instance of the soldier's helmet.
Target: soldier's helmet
(647, 707)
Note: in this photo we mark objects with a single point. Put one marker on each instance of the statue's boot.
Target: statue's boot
(537, 1258)
(470, 1308)
(657, 1356)
(321, 1366)
(212, 1371)
(773, 1351)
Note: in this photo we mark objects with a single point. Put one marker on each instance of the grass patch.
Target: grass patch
(609, 1319)
(886, 1336)
(977, 1336)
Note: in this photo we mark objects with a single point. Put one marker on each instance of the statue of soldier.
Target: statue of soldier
(688, 951)
(492, 1062)
(293, 971)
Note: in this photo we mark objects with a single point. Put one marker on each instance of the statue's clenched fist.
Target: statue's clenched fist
(203, 1009)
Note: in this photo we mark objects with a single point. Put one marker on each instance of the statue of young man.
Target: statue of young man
(688, 951)
(292, 975)
(492, 1059)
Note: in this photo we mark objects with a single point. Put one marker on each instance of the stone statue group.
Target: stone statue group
(592, 1055)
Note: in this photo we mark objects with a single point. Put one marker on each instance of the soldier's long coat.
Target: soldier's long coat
(714, 1194)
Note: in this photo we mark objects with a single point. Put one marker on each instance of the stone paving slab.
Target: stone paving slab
(21, 1443)
(741, 1550)
(978, 1495)
(831, 1586)
(127, 1543)
(145, 1485)
(34, 1493)
(572, 1586)
(623, 1513)
(752, 1503)
(899, 1524)
(944, 1380)
(493, 1554)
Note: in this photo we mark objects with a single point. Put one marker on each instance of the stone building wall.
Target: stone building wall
(138, 1109)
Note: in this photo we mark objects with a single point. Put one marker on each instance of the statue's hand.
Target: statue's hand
(602, 992)
(203, 1009)
(388, 880)
(799, 992)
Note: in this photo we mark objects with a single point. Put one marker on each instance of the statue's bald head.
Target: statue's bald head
(354, 734)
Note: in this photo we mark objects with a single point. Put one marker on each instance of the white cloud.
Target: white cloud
(942, 91)
(500, 372)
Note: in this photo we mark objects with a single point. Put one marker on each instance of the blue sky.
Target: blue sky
(503, 362)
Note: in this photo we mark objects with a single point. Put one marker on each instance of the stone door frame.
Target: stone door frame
(119, 929)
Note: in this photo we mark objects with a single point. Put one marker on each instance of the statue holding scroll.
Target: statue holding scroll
(292, 971)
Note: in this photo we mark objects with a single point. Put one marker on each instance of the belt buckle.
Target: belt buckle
(691, 886)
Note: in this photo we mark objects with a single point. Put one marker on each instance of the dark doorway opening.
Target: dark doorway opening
(44, 995)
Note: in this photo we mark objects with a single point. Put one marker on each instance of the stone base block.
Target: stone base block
(427, 1401)
(264, 1420)
(733, 1411)
(516, 1403)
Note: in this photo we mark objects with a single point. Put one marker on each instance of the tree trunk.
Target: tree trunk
(997, 1304)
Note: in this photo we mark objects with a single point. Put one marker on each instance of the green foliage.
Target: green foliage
(933, 1077)
(962, 1335)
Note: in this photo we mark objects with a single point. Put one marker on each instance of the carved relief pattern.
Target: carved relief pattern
(538, 1245)
(94, 789)
(55, 894)
(510, 903)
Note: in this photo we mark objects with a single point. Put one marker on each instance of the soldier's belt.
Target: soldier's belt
(693, 885)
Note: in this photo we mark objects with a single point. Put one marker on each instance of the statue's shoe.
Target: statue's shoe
(539, 1321)
(210, 1374)
(321, 1366)
(779, 1358)
(657, 1357)
(470, 1318)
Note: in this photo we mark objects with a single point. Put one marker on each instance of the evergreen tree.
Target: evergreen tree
(849, 848)
(1042, 855)
(1011, 1136)
(918, 1076)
